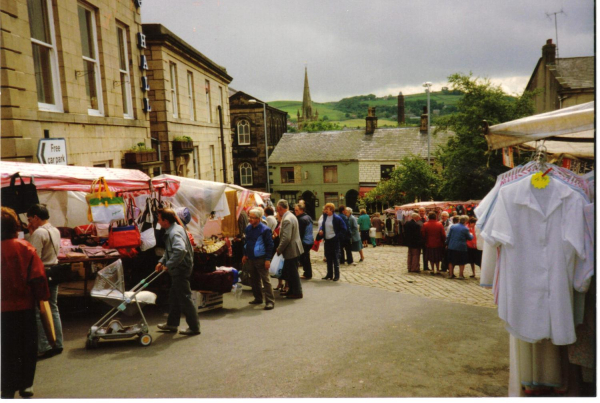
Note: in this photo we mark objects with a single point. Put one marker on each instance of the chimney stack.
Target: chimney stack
(371, 121)
(549, 52)
(423, 128)
(401, 109)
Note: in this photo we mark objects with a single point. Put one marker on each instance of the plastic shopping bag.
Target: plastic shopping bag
(276, 268)
(103, 205)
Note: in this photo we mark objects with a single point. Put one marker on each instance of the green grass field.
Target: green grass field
(327, 108)
(292, 107)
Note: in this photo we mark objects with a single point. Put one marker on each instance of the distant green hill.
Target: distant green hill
(325, 109)
(354, 109)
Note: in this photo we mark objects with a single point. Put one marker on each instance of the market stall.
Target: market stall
(461, 207)
(568, 135)
(85, 243)
(538, 256)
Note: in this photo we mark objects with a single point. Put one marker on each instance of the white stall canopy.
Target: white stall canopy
(565, 131)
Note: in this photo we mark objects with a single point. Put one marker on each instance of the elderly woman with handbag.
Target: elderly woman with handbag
(24, 283)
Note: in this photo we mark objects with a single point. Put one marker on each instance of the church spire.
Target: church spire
(306, 102)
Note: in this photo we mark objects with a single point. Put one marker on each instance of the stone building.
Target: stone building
(73, 70)
(307, 113)
(340, 166)
(564, 81)
(189, 97)
(248, 138)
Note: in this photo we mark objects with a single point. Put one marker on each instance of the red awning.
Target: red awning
(363, 190)
(75, 178)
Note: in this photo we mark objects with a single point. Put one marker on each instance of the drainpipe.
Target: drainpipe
(223, 146)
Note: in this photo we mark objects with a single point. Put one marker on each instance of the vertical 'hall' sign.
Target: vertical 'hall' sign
(141, 44)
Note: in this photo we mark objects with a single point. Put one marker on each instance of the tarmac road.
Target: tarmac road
(341, 340)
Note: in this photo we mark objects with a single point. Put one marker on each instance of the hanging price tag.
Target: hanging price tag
(539, 180)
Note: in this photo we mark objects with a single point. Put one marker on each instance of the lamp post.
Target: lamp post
(254, 101)
(427, 86)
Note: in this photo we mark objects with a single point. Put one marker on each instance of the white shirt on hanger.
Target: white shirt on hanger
(541, 231)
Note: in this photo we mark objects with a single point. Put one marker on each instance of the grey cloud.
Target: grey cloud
(356, 47)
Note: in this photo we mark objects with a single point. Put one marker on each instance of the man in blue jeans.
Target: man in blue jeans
(45, 238)
(178, 260)
(257, 259)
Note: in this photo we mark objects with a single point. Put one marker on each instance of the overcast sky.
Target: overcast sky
(356, 47)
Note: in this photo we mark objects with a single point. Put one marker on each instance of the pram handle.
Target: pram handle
(145, 282)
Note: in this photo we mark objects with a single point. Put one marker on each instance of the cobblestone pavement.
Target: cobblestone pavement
(384, 267)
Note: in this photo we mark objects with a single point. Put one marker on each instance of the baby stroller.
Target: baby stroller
(109, 287)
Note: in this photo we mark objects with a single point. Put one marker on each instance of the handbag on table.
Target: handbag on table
(103, 205)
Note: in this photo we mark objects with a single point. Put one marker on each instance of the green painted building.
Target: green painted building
(340, 166)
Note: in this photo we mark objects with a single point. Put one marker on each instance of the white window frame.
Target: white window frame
(173, 76)
(58, 105)
(125, 86)
(99, 91)
(208, 101)
(244, 174)
(191, 100)
(240, 125)
(103, 164)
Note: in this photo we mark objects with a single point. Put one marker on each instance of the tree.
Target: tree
(321, 126)
(413, 180)
(469, 170)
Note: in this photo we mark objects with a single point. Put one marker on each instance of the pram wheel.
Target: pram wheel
(145, 339)
(91, 344)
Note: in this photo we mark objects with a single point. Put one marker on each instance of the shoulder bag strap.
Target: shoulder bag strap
(52, 242)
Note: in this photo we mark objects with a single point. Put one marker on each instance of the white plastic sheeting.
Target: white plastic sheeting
(575, 123)
(200, 197)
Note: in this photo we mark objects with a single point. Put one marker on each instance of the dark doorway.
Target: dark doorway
(309, 199)
(351, 199)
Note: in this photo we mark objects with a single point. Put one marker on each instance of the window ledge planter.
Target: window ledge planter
(183, 146)
(137, 157)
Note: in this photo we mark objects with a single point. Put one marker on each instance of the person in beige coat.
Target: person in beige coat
(290, 246)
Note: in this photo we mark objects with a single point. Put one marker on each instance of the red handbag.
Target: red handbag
(316, 245)
(123, 237)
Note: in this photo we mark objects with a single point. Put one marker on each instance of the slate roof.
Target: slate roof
(355, 145)
(575, 72)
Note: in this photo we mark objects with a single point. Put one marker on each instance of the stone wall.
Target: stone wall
(255, 152)
(370, 171)
(90, 139)
(204, 133)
